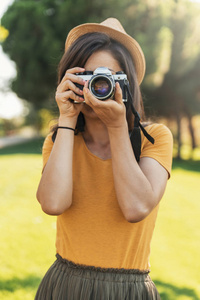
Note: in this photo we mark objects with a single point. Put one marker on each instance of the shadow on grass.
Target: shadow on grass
(33, 146)
(188, 165)
(11, 285)
(169, 291)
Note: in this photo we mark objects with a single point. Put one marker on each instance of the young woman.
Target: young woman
(105, 180)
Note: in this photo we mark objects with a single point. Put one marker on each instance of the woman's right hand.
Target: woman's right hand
(67, 91)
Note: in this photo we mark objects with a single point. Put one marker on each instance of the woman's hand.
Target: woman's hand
(111, 112)
(67, 91)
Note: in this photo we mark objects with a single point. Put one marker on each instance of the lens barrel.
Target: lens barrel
(102, 86)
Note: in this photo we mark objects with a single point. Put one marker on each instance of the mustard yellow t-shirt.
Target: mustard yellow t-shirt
(93, 231)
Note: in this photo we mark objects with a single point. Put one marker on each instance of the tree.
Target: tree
(178, 93)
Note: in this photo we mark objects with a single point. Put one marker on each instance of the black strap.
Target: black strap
(135, 135)
(135, 138)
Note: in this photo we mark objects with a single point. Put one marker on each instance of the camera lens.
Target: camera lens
(101, 87)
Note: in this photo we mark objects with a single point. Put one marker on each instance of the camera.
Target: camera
(102, 83)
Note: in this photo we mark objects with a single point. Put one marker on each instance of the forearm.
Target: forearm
(55, 188)
(133, 190)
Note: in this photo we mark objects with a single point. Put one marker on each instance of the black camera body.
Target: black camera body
(102, 83)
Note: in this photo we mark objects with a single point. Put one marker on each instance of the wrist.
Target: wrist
(118, 130)
(68, 122)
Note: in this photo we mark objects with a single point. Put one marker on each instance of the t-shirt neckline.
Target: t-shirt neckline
(92, 154)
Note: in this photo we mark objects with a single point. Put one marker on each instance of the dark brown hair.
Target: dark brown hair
(79, 52)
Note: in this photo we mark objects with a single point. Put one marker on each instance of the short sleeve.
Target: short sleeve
(162, 149)
(46, 149)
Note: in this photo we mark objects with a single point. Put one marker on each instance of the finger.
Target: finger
(89, 98)
(71, 74)
(73, 78)
(118, 93)
(69, 85)
(92, 101)
(75, 70)
(68, 95)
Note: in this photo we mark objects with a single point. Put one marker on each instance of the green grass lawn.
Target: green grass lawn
(28, 235)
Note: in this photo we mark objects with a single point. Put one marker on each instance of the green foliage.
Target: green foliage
(37, 31)
(34, 45)
(28, 235)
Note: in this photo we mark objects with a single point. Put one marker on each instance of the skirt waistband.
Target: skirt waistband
(73, 265)
(67, 280)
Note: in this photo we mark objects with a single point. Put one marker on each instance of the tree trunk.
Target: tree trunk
(191, 129)
(179, 142)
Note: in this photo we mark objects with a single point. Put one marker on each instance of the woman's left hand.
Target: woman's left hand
(111, 112)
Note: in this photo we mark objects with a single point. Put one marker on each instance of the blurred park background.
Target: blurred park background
(32, 36)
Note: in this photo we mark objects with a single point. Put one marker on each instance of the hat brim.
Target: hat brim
(126, 40)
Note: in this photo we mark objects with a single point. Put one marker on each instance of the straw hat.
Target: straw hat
(114, 29)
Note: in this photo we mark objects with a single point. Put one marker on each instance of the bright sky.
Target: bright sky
(10, 104)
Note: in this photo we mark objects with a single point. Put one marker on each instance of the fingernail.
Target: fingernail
(80, 98)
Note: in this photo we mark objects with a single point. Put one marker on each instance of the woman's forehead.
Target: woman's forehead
(102, 59)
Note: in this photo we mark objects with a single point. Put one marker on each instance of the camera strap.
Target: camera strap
(135, 135)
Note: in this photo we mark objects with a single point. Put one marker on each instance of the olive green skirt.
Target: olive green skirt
(68, 281)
